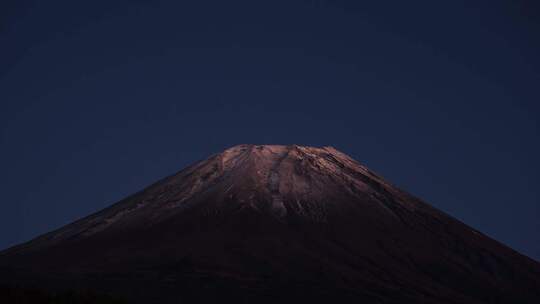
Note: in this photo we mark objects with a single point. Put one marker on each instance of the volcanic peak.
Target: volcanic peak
(291, 178)
(255, 216)
(265, 159)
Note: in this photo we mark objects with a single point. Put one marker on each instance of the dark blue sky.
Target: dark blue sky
(100, 98)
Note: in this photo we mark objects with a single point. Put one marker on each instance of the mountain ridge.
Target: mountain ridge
(269, 221)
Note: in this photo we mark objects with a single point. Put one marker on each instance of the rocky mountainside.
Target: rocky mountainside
(275, 224)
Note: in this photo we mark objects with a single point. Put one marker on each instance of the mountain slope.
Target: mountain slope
(277, 224)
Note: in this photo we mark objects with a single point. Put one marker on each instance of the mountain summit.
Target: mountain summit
(273, 224)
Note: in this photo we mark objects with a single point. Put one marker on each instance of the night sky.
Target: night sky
(101, 98)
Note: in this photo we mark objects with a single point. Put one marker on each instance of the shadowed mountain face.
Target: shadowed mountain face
(276, 224)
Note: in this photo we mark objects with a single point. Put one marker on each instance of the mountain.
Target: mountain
(275, 224)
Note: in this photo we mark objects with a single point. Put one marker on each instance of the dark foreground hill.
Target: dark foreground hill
(274, 224)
